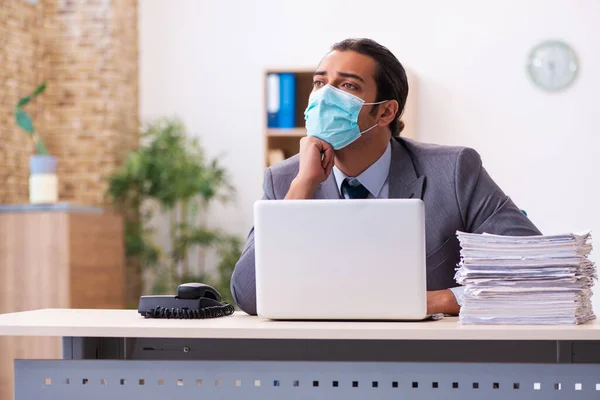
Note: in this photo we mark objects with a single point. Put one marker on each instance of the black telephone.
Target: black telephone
(193, 301)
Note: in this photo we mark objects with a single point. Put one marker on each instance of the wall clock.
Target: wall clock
(552, 65)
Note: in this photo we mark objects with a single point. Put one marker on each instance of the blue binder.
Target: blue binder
(287, 100)
(273, 94)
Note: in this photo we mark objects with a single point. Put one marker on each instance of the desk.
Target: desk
(119, 355)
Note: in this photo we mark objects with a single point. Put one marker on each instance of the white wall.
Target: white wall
(204, 61)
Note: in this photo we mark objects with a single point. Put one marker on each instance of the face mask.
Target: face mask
(332, 116)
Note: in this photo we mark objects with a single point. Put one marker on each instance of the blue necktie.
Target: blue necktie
(354, 189)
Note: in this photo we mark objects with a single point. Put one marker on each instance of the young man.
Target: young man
(353, 149)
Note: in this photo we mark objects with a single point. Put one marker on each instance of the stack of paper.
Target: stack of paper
(526, 280)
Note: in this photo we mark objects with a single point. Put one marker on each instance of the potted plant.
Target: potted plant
(43, 182)
(170, 177)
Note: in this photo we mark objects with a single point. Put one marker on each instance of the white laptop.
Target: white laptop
(340, 259)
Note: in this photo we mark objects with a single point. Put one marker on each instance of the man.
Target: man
(354, 150)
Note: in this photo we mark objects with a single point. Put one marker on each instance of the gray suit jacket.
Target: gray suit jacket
(457, 191)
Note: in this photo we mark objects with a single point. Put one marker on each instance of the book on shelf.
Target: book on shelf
(272, 100)
(281, 100)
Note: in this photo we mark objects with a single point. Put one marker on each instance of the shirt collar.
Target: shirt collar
(374, 177)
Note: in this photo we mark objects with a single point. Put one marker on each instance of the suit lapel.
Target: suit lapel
(403, 180)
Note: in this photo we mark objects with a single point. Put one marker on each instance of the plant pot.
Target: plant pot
(43, 182)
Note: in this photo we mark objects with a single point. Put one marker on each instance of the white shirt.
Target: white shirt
(374, 178)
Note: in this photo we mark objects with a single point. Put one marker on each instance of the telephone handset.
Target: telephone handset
(193, 300)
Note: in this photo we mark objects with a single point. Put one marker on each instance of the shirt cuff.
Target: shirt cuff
(458, 292)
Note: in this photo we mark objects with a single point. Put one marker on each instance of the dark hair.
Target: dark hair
(390, 75)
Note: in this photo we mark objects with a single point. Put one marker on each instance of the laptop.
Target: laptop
(340, 259)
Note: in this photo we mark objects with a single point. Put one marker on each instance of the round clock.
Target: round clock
(552, 65)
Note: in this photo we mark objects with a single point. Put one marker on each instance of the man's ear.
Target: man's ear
(387, 112)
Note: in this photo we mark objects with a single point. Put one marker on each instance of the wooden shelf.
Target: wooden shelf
(67, 257)
(290, 132)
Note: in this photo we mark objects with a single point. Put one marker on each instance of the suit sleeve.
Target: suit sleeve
(483, 205)
(243, 280)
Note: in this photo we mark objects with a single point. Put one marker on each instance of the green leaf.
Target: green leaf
(24, 122)
(39, 90)
(23, 102)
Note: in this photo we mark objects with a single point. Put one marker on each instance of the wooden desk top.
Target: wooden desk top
(128, 323)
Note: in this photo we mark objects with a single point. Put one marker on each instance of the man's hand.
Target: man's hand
(316, 161)
(442, 301)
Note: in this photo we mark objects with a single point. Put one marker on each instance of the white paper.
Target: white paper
(526, 280)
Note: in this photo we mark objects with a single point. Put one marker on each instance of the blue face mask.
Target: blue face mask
(332, 116)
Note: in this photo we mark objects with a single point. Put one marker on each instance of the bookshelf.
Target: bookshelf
(282, 143)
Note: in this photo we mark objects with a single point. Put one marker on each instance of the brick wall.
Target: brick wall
(87, 52)
(19, 24)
